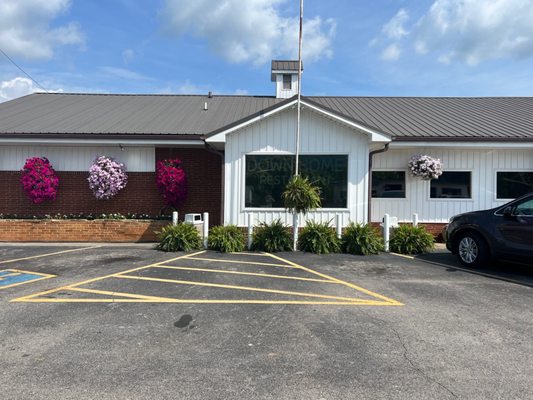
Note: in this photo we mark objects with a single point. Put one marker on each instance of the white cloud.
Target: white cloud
(395, 28)
(124, 73)
(474, 31)
(128, 55)
(248, 31)
(25, 29)
(469, 31)
(391, 53)
(18, 87)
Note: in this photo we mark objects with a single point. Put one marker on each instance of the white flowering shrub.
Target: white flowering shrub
(425, 167)
(107, 177)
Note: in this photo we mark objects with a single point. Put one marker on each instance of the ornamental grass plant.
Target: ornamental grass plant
(361, 239)
(319, 238)
(408, 239)
(273, 237)
(180, 237)
(301, 195)
(226, 239)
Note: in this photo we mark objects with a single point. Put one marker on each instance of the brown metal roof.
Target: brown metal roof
(403, 118)
(285, 65)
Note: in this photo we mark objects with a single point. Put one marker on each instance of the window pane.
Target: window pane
(510, 185)
(267, 176)
(287, 82)
(330, 173)
(451, 184)
(525, 208)
(390, 184)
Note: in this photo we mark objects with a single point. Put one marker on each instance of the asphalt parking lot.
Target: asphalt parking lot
(128, 322)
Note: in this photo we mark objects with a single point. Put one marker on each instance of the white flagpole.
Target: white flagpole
(299, 88)
(296, 171)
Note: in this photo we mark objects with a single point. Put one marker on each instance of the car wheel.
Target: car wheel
(472, 250)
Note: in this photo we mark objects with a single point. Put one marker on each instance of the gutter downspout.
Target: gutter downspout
(370, 158)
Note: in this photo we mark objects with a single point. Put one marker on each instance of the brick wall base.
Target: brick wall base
(434, 228)
(22, 230)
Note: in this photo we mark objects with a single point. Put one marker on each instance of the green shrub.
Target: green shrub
(361, 239)
(408, 239)
(300, 195)
(180, 237)
(272, 238)
(319, 238)
(227, 239)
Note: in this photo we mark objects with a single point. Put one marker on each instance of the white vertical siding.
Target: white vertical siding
(276, 134)
(483, 165)
(79, 158)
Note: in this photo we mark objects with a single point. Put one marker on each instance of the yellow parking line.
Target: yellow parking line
(248, 288)
(358, 288)
(121, 294)
(47, 254)
(221, 271)
(250, 254)
(241, 262)
(25, 298)
(207, 301)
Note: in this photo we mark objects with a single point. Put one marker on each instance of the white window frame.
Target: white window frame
(496, 198)
(440, 199)
(390, 198)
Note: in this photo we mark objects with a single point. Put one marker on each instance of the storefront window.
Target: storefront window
(452, 185)
(267, 175)
(510, 185)
(388, 184)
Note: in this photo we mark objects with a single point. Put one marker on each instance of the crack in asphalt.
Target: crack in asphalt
(408, 359)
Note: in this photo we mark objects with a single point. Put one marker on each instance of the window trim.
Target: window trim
(496, 198)
(283, 82)
(405, 198)
(470, 199)
(286, 153)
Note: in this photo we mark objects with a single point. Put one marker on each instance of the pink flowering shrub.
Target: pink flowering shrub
(39, 180)
(171, 181)
(107, 177)
(425, 167)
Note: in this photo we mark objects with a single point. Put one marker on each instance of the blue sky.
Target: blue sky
(351, 47)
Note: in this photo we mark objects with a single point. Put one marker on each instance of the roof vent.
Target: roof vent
(205, 106)
(210, 95)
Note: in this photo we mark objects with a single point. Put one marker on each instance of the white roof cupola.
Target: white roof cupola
(285, 74)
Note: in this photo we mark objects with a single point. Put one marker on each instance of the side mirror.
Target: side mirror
(508, 212)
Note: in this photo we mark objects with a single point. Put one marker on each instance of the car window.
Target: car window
(525, 208)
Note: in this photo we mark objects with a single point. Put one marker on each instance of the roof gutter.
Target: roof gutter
(370, 160)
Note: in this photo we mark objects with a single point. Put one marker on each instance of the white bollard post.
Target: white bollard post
(174, 218)
(250, 229)
(338, 224)
(294, 231)
(386, 231)
(206, 228)
(415, 219)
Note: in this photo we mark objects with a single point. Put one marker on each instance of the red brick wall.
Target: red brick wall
(79, 231)
(204, 175)
(434, 228)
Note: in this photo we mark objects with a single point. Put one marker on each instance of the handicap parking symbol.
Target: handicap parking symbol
(14, 277)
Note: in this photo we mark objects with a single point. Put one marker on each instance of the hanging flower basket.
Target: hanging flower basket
(39, 180)
(107, 177)
(425, 167)
(171, 182)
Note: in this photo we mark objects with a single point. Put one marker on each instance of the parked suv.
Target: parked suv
(505, 232)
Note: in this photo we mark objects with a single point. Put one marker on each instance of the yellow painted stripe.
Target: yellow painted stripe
(2, 277)
(248, 288)
(208, 301)
(30, 272)
(121, 294)
(403, 255)
(351, 285)
(18, 271)
(47, 254)
(250, 254)
(221, 271)
(241, 262)
(22, 283)
(105, 277)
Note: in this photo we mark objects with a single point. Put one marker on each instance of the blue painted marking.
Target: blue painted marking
(8, 277)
